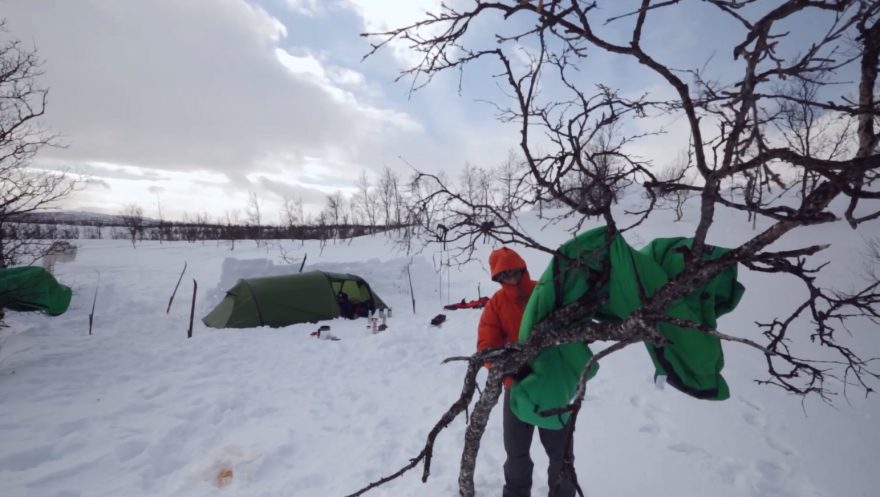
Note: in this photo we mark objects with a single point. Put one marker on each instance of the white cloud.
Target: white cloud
(331, 78)
(346, 77)
(301, 65)
(384, 15)
(381, 15)
(325, 74)
(309, 8)
(195, 85)
(204, 99)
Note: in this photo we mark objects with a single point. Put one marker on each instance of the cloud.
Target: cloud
(195, 85)
(97, 183)
(112, 171)
(200, 101)
(384, 15)
(327, 75)
(331, 78)
(286, 190)
(309, 8)
(379, 15)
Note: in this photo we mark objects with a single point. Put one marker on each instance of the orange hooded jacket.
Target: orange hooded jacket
(499, 323)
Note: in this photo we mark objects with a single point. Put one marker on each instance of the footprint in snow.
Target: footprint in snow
(151, 392)
(733, 474)
(28, 459)
(686, 448)
(753, 419)
(129, 450)
(750, 404)
(68, 428)
(650, 429)
(778, 446)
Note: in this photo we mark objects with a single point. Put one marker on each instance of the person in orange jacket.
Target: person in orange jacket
(499, 325)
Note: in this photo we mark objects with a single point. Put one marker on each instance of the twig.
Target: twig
(303, 262)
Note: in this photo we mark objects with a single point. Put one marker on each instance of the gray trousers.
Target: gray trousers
(518, 467)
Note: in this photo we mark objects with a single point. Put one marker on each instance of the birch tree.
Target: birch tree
(732, 106)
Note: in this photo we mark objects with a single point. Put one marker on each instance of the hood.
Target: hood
(504, 259)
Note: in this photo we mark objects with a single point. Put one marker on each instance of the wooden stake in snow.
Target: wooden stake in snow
(303, 262)
(448, 282)
(192, 310)
(411, 292)
(440, 278)
(175, 288)
(94, 301)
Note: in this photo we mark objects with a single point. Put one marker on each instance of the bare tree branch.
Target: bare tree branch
(769, 136)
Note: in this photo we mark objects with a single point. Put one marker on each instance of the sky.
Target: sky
(189, 106)
(138, 410)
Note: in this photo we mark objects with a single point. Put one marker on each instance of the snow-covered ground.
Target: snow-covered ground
(139, 410)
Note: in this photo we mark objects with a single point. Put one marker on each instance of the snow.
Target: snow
(137, 409)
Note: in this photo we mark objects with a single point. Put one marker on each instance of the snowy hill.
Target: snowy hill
(139, 410)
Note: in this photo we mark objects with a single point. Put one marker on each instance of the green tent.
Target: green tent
(278, 301)
(32, 288)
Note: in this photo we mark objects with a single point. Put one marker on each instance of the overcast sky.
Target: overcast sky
(194, 103)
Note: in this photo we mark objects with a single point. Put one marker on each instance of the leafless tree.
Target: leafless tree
(187, 229)
(367, 200)
(231, 219)
(163, 229)
(673, 182)
(133, 220)
(160, 218)
(603, 178)
(732, 116)
(419, 195)
(422, 210)
(475, 185)
(293, 218)
(511, 183)
(323, 230)
(292, 212)
(98, 231)
(389, 196)
(334, 210)
(23, 189)
(809, 131)
(202, 224)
